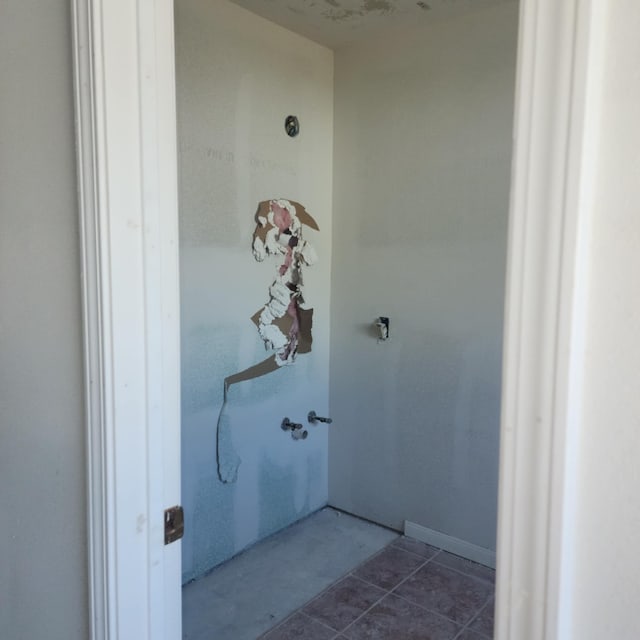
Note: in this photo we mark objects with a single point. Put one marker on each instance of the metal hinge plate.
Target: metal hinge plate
(173, 524)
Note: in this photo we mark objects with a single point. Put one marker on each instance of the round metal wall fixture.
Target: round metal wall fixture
(292, 126)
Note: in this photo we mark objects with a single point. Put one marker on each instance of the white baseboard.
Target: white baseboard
(467, 550)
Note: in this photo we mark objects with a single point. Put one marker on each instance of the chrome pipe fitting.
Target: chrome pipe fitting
(297, 432)
(313, 418)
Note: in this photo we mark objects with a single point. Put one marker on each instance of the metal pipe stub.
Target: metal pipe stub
(313, 418)
(297, 432)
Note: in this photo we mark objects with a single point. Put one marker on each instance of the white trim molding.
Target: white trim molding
(558, 71)
(125, 102)
(125, 114)
(448, 543)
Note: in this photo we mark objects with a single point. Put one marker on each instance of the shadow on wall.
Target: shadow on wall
(277, 494)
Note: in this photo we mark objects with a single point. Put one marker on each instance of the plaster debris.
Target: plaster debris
(283, 323)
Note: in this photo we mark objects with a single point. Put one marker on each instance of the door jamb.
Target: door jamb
(125, 105)
(127, 195)
(555, 134)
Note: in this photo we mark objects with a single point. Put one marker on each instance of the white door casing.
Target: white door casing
(125, 99)
(125, 113)
(558, 77)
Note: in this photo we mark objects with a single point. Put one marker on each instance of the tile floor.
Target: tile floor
(407, 591)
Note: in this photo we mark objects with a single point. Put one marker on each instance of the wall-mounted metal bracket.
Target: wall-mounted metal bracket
(173, 524)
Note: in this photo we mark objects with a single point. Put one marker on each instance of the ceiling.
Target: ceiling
(336, 23)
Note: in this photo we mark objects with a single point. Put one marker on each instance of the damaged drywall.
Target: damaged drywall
(283, 323)
(238, 77)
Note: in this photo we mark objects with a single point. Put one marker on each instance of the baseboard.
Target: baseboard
(467, 550)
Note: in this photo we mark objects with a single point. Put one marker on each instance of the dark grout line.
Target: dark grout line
(426, 562)
(416, 604)
(365, 612)
(474, 618)
(331, 586)
(467, 627)
(387, 591)
(324, 624)
(293, 615)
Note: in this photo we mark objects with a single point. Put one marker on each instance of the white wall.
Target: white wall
(605, 586)
(43, 549)
(238, 77)
(422, 161)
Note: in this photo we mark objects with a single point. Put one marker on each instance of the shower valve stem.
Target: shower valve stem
(313, 418)
(297, 432)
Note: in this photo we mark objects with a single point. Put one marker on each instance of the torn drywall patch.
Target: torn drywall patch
(283, 323)
(279, 232)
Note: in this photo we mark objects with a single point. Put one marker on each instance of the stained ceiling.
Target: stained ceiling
(336, 23)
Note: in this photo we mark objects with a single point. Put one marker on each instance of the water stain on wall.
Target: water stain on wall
(340, 13)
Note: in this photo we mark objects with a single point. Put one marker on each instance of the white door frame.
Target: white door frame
(125, 101)
(556, 123)
(126, 139)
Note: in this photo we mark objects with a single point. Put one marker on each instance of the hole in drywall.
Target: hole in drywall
(292, 126)
(423, 5)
